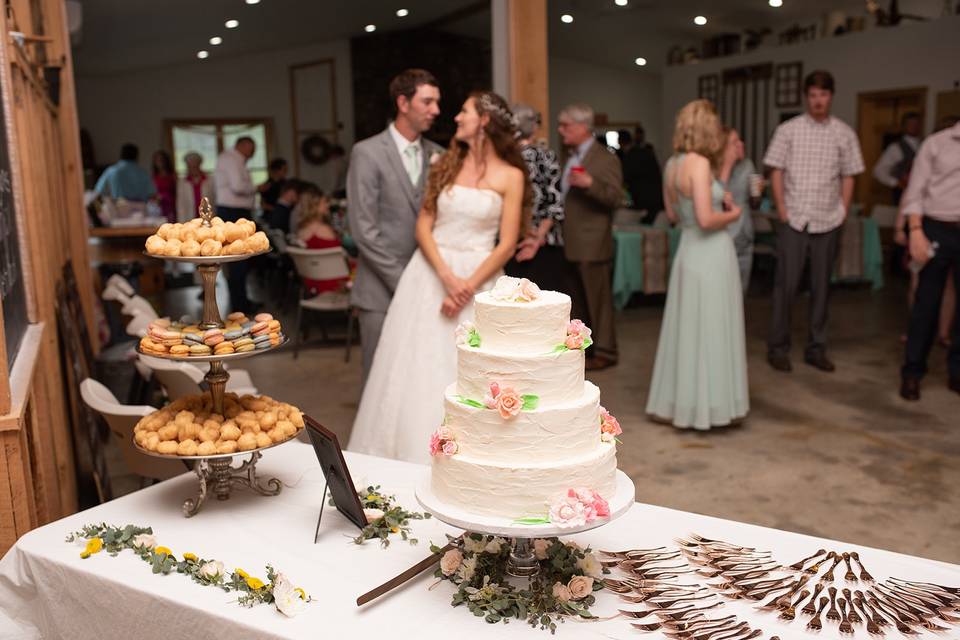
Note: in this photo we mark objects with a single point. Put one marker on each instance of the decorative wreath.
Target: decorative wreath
(315, 149)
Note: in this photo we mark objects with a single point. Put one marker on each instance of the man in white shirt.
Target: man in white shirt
(893, 168)
(235, 198)
(385, 185)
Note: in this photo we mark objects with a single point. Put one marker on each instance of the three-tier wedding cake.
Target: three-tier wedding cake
(524, 436)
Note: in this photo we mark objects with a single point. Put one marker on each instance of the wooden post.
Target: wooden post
(520, 53)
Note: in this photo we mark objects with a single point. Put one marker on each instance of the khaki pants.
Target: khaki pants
(595, 306)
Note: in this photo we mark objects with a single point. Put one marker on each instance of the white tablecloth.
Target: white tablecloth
(47, 591)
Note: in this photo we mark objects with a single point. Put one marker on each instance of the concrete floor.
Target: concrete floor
(836, 455)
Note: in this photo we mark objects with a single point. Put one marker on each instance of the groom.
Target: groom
(385, 184)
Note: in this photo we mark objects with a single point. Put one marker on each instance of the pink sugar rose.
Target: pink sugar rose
(449, 448)
(508, 403)
(445, 433)
(609, 424)
(574, 341)
(577, 326)
(600, 506)
(527, 291)
(568, 512)
(435, 444)
(490, 401)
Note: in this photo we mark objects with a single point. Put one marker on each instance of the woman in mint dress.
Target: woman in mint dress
(700, 374)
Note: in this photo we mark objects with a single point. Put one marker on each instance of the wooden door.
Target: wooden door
(878, 122)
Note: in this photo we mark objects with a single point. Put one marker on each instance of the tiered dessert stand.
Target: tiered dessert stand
(522, 562)
(216, 472)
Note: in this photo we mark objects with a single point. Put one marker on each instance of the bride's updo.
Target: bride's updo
(501, 132)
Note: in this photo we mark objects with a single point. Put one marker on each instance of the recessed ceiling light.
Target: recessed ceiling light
(253, 1)
(566, 18)
(620, 3)
(641, 61)
(231, 24)
(203, 55)
(700, 21)
(215, 40)
(776, 3)
(370, 28)
(402, 13)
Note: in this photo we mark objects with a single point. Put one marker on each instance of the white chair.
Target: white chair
(121, 419)
(118, 282)
(139, 304)
(137, 327)
(322, 264)
(180, 379)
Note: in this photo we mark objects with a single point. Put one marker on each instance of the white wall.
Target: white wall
(631, 96)
(131, 107)
(911, 55)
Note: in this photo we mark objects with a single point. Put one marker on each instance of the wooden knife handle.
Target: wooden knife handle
(407, 575)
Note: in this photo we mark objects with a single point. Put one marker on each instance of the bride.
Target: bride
(476, 201)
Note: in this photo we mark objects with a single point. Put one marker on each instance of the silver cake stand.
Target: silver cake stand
(522, 562)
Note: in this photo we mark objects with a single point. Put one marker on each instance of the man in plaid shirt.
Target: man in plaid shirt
(814, 158)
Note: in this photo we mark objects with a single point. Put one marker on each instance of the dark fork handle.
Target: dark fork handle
(864, 576)
(850, 576)
(811, 607)
(799, 565)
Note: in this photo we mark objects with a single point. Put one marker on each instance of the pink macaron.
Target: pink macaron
(263, 317)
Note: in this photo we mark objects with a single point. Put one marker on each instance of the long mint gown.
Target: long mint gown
(700, 374)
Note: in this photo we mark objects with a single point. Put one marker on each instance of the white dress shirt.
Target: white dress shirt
(934, 188)
(233, 185)
(417, 154)
(891, 157)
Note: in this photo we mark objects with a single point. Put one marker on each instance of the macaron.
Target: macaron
(171, 342)
(179, 350)
(223, 349)
(191, 329)
(237, 316)
(259, 326)
(156, 332)
(261, 339)
(263, 317)
(245, 348)
(247, 324)
(231, 326)
(213, 339)
(199, 350)
(260, 346)
(274, 325)
(234, 334)
(162, 322)
(242, 342)
(192, 338)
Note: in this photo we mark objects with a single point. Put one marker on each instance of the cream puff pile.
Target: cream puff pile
(192, 239)
(188, 426)
(240, 334)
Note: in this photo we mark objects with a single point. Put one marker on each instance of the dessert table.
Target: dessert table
(47, 590)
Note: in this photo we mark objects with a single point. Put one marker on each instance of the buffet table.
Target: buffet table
(47, 590)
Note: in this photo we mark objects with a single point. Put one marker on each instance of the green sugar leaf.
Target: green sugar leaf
(530, 402)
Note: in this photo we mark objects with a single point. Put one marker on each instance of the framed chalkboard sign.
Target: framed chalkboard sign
(339, 483)
(12, 292)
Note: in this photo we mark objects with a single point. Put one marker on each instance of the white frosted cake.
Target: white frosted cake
(522, 427)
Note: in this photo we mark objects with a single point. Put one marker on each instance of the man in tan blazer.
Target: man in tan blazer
(592, 184)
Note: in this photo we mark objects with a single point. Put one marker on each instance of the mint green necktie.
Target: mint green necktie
(411, 162)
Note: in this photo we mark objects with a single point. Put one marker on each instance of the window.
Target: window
(12, 293)
(210, 137)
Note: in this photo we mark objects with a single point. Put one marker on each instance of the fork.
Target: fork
(864, 576)
(845, 625)
(707, 635)
(898, 623)
(836, 560)
(815, 623)
(799, 564)
(833, 614)
(811, 607)
(853, 616)
(872, 627)
(624, 554)
(702, 540)
(791, 612)
(755, 634)
(814, 569)
(850, 575)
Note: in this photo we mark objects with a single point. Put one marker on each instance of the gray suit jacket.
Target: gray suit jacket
(382, 211)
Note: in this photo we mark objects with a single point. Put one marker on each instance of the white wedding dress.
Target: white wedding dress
(416, 357)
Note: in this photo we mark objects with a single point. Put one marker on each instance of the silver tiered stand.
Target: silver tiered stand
(522, 562)
(216, 473)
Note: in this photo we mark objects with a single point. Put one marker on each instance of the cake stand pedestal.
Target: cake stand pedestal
(522, 562)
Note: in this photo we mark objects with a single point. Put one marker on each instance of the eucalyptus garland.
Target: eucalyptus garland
(562, 589)
(278, 590)
(384, 517)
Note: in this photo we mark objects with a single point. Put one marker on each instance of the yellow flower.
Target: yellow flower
(240, 572)
(163, 551)
(394, 530)
(303, 594)
(254, 583)
(190, 557)
(94, 545)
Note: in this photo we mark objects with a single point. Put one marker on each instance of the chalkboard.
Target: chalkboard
(11, 272)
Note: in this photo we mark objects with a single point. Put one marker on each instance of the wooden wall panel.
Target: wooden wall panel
(528, 55)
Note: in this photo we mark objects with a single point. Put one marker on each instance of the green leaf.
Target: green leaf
(470, 402)
(530, 402)
(586, 343)
(560, 348)
(473, 339)
(540, 520)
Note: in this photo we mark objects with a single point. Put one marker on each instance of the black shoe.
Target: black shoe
(954, 384)
(780, 362)
(820, 361)
(910, 389)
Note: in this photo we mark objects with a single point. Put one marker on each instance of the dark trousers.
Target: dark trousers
(549, 269)
(793, 249)
(595, 307)
(925, 315)
(237, 271)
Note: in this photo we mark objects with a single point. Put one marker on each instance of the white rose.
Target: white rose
(540, 547)
(145, 540)
(372, 515)
(494, 545)
(287, 598)
(580, 587)
(607, 437)
(450, 562)
(463, 332)
(210, 570)
(561, 592)
(590, 566)
(467, 568)
(435, 157)
(473, 546)
(506, 288)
